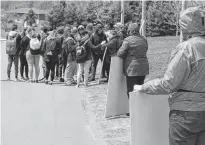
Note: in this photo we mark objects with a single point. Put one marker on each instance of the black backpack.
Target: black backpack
(81, 54)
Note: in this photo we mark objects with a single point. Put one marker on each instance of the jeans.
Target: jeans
(95, 58)
(134, 80)
(61, 66)
(11, 59)
(50, 67)
(186, 127)
(33, 61)
(70, 72)
(24, 65)
(83, 67)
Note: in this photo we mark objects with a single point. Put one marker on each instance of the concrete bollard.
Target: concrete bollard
(117, 99)
(149, 119)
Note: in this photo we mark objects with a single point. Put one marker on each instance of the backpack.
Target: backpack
(11, 45)
(81, 54)
(35, 46)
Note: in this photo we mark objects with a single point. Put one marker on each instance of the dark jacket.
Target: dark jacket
(89, 47)
(112, 48)
(96, 39)
(134, 54)
(54, 46)
(24, 45)
(69, 47)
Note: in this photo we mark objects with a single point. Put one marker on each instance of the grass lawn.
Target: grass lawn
(117, 131)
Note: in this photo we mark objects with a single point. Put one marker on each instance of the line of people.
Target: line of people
(70, 54)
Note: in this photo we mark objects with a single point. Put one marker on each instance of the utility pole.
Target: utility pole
(122, 12)
(184, 7)
(143, 20)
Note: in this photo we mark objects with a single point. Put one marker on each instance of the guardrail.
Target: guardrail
(149, 119)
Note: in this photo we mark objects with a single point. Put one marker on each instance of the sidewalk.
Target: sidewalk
(39, 114)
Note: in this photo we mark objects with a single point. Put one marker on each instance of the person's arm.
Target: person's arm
(18, 44)
(177, 71)
(94, 48)
(123, 50)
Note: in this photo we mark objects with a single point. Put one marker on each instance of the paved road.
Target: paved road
(39, 114)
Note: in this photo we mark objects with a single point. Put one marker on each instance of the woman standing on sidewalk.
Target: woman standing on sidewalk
(24, 48)
(83, 56)
(69, 46)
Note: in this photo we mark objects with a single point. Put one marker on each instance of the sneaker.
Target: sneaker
(36, 81)
(8, 79)
(91, 79)
(127, 114)
(86, 85)
(61, 80)
(23, 79)
(50, 83)
(77, 86)
(46, 81)
(16, 80)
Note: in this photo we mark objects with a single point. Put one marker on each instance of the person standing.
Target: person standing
(33, 57)
(51, 50)
(97, 38)
(184, 80)
(13, 41)
(61, 64)
(134, 54)
(69, 47)
(83, 56)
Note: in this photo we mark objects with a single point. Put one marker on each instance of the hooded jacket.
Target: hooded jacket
(184, 78)
(96, 39)
(53, 45)
(18, 40)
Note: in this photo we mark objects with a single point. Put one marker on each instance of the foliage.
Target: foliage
(31, 17)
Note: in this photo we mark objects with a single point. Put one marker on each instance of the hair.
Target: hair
(67, 32)
(29, 30)
(53, 33)
(14, 27)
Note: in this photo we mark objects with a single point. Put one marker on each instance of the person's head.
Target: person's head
(107, 27)
(60, 32)
(85, 35)
(133, 29)
(30, 31)
(99, 29)
(44, 29)
(192, 22)
(53, 34)
(14, 27)
(118, 26)
(81, 29)
(75, 34)
(89, 28)
(67, 32)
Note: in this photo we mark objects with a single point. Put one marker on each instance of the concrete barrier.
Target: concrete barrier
(117, 99)
(149, 119)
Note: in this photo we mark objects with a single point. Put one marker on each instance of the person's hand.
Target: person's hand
(137, 88)
(49, 53)
(103, 46)
(103, 42)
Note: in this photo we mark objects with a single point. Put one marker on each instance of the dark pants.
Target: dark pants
(61, 66)
(24, 65)
(11, 59)
(50, 67)
(95, 59)
(44, 68)
(186, 128)
(134, 80)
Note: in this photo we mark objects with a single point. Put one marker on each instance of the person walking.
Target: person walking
(13, 41)
(184, 80)
(134, 54)
(51, 50)
(69, 46)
